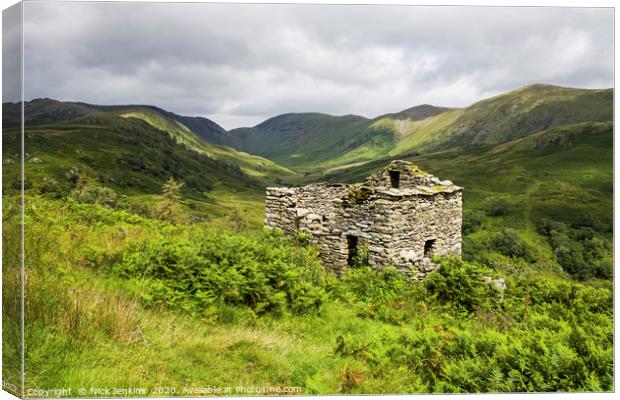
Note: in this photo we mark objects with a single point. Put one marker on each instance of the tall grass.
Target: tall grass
(11, 295)
(96, 315)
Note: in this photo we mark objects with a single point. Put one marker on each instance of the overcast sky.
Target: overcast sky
(241, 64)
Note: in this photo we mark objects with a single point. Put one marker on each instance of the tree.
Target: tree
(167, 208)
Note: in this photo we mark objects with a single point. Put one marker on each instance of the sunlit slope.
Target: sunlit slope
(309, 141)
(309, 138)
(563, 172)
(197, 133)
(525, 111)
(250, 164)
(126, 154)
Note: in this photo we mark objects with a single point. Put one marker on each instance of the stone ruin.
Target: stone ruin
(401, 216)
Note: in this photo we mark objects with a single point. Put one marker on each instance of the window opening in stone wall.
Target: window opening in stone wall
(429, 247)
(395, 179)
(352, 250)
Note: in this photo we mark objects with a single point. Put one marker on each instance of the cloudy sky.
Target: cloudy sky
(241, 64)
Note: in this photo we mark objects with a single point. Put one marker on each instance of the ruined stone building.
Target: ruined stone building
(401, 216)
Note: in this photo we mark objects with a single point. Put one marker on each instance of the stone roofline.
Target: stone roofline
(398, 179)
(446, 187)
(387, 193)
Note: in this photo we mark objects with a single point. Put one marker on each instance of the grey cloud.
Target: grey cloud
(11, 54)
(241, 64)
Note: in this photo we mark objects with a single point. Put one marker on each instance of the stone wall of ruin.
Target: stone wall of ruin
(410, 177)
(410, 222)
(393, 225)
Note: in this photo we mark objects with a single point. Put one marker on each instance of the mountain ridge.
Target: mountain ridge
(309, 140)
(199, 134)
(329, 140)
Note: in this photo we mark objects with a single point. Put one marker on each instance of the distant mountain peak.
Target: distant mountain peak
(538, 86)
(547, 87)
(420, 112)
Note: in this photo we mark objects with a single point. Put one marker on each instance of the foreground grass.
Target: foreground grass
(94, 318)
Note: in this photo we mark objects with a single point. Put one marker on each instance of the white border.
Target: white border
(506, 3)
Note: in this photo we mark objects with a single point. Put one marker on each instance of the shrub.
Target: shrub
(51, 188)
(17, 184)
(264, 272)
(473, 247)
(582, 252)
(136, 207)
(167, 209)
(605, 268)
(504, 264)
(377, 287)
(508, 243)
(460, 283)
(472, 221)
(361, 256)
(547, 225)
(96, 195)
(236, 222)
(497, 207)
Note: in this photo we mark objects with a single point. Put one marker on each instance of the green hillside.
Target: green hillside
(310, 138)
(250, 164)
(525, 111)
(418, 113)
(134, 153)
(198, 134)
(43, 111)
(330, 141)
(184, 280)
(563, 174)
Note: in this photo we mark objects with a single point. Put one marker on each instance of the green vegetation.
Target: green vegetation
(166, 304)
(161, 276)
(11, 294)
(580, 251)
(46, 117)
(561, 176)
(205, 272)
(252, 165)
(133, 158)
(309, 138)
(331, 143)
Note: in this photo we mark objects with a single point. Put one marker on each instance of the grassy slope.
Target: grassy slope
(562, 173)
(133, 158)
(77, 303)
(133, 149)
(330, 142)
(199, 134)
(250, 164)
(527, 110)
(308, 139)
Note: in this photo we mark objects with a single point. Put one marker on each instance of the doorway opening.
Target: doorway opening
(352, 243)
(429, 248)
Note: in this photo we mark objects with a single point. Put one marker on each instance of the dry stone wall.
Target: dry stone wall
(403, 226)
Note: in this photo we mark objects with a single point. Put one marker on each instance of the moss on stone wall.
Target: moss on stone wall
(362, 193)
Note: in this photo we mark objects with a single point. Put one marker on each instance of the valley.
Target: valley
(160, 258)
